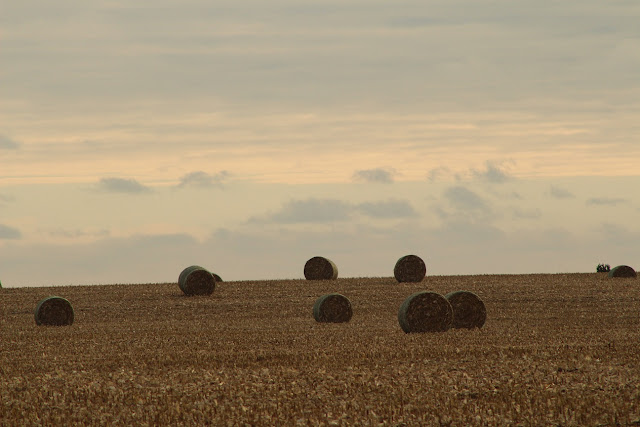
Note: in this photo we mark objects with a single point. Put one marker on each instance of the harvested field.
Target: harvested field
(557, 349)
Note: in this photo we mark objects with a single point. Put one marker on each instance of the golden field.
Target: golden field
(557, 349)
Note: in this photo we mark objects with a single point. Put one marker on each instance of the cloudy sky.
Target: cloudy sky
(137, 139)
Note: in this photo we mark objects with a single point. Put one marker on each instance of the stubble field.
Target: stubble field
(560, 349)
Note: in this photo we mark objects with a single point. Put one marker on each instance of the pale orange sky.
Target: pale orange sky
(316, 148)
(488, 137)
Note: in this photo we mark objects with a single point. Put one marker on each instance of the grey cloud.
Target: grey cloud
(613, 229)
(163, 239)
(526, 214)
(378, 175)
(77, 233)
(332, 210)
(9, 233)
(4, 198)
(606, 201)
(308, 211)
(415, 22)
(457, 247)
(251, 54)
(465, 206)
(506, 195)
(544, 240)
(436, 173)
(493, 173)
(464, 199)
(203, 180)
(441, 212)
(134, 259)
(387, 209)
(121, 185)
(6, 142)
(471, 232)
(560, 193)
(620, 235)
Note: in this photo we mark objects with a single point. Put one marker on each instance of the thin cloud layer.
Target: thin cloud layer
(493, 173)
(77, 233)
(560, 193)
(437, 173)
(308, 211)
(9, 233)
(464, 207)
(202, 179)
(468, 241)
(328, 211)
(519, 213)
(4, 198)
(121, 185)
(463, 199)
(620, 234)
(249, 52)
(606, 201)
(377, 175)
(8, 143)
(197, 78)
(387, 209)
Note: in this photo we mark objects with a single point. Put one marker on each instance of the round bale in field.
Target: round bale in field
(54, 311)
(623, 271)
(410, 268)
(332, 308)
(425, 312)
(468, 310)
(196, 280)
(319, 268)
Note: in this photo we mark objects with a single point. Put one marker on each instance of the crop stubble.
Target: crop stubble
(555, 349)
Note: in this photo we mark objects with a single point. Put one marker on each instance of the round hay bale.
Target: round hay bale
(196, 280)
(332, 308)
(623, 271)
(319, 268)
(468, 310)
(54, 311)
(410, 268)
(425, 312)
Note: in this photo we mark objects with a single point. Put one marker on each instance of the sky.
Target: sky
(486, 137)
